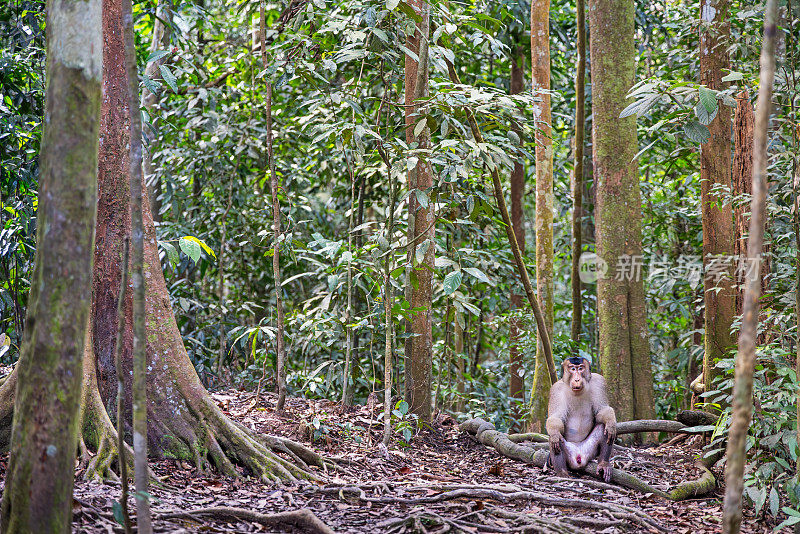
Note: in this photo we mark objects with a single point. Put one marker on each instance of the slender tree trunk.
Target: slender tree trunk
(460, 358)
(512, 241)
(715, 171)
(388, 301)
(280, 356)
(516, 385)
(577, 174)
(347, 386)
(741, 178)
(419, 361)
(624, 347)
(160, 41)
(123, 461)
(139, 389)
(39, 478)
(745, 360)
(540, 65)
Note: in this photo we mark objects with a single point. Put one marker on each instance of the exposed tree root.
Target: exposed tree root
(495, 493)
(98, 433)
(537, 455)
(480, 521)
(303, 519)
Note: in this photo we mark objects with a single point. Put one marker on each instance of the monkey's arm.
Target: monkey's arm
(556, 415)
(603, 412)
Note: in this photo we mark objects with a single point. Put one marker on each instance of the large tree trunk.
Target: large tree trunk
(745, 359)
(184, 422)
(39, 478)
(715, 171)
(540, 65)
(624, 348)
(419, 348)
(516, 385)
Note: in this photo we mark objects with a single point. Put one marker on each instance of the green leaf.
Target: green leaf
(201, 243)
(391, 4)
(703, 115)
(480, 275)
(152, 85)
(190, 248)
(422, 197)
(402, 406)
(155, 56)
(409, 11)
(452, 282)
(118, 517)
(708, 97)
(696, 132)
(422, 249)
(169, 77)
(733, 76)
(172, 253)
(774, 501)
(420, 127)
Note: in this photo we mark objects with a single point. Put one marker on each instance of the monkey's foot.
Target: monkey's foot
(604, 470)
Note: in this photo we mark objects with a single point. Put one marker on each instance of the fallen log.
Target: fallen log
(537, 454)
(686, 426)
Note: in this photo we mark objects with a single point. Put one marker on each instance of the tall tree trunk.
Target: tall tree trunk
(745, 359)
(540, 65)
(715, 171)
(419, 355)
(516, 384)
(39, 478)
(577, 173)
(741, 181)
(139, 387)
(183, 421)
(159, 41)
(280, 352)
(624, 347)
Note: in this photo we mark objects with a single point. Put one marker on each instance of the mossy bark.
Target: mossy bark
(183, 420)
(715, 172)
(540, 64)
(624, 347)
(419, 347)
(39, 479)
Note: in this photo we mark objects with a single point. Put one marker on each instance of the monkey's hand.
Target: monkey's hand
(555, 442)
(604, 470)
(611, 431)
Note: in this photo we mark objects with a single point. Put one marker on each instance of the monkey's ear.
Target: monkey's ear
(587, 372)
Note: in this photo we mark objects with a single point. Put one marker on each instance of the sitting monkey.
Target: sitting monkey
(580, 423)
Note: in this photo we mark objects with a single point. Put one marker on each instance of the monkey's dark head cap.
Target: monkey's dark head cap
(577, 360)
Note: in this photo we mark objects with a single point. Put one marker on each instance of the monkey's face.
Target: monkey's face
(577, 374)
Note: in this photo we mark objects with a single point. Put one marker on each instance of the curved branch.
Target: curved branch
(537, 455)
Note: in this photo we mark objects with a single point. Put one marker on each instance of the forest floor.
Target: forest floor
(490, 493)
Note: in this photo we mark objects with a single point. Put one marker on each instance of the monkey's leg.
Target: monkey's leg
(580, 454)
(604, 456)
(558, 460)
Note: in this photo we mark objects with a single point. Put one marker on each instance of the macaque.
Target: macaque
(580, 423)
